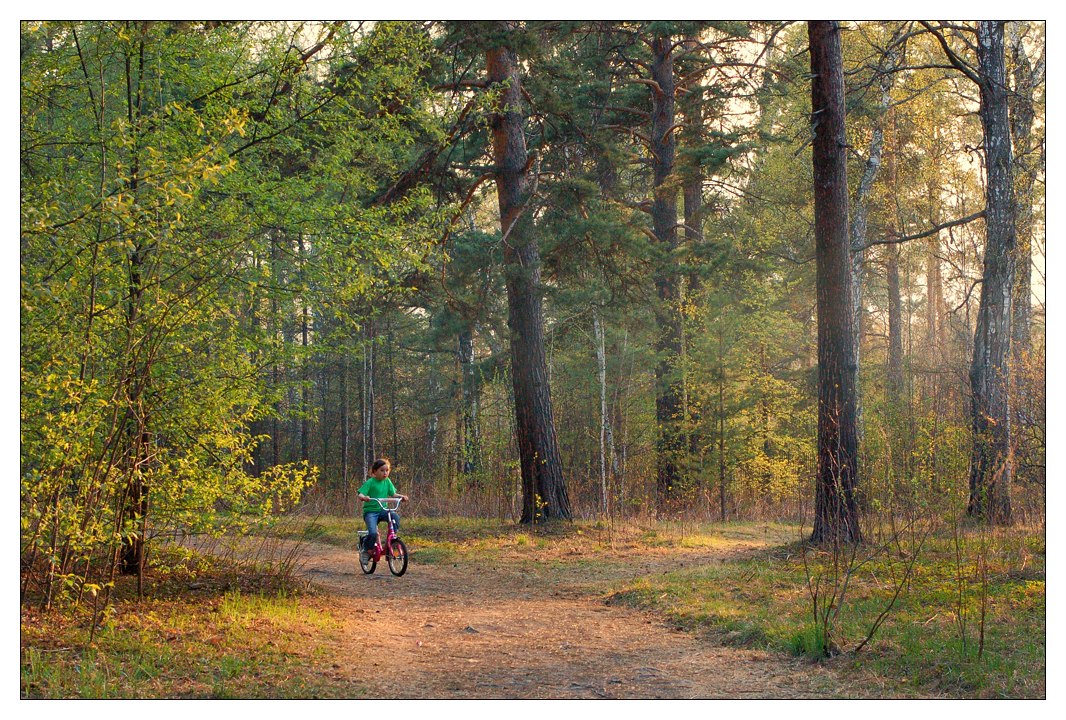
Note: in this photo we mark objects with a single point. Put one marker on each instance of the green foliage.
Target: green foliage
(186, 188)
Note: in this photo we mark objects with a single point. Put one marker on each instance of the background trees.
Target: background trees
(256, 255)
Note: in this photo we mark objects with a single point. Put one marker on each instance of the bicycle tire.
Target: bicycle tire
(369, 565)
(397, 557)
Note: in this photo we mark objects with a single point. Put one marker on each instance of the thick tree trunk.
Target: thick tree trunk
(1026, 162)
(836, 510)
(990, 465)
(670, 441)
(1022, 115)
(543, 487)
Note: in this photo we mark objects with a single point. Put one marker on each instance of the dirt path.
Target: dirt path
(460, 631)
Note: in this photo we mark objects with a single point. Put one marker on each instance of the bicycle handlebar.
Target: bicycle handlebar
(388, 503)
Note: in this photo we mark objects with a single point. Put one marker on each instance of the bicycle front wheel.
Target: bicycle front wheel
(397, 557)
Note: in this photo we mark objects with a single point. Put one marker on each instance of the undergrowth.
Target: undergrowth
(929, 643)
(207, 630)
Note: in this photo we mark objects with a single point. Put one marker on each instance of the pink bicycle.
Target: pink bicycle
(394, 551)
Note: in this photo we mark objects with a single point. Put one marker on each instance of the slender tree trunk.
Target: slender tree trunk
(275, 369)
(692, 195)
(605, 419)
(860, 221)
(895, 299)
(364, 445)
(721, 425)
(305, 367)
(990, 465)
(932, 295)
(138, 372)
(670, 441)
(370, 446)
(346, 425)
(895, 326)
(394, 449)
(836, 510)
(471, 431)
(544, 489)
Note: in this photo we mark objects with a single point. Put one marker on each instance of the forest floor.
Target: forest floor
(577, 610)
(511, 626)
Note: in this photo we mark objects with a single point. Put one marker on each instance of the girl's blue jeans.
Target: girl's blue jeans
(371, 519)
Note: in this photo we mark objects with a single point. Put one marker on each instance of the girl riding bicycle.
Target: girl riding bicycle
(377, 486)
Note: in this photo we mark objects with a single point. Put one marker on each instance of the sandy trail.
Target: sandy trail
(461, 630)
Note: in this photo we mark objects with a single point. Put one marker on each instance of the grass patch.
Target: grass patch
(209, 634)
(930, 645)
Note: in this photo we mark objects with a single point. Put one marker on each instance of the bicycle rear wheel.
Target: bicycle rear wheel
(397, 557)
(369, 563)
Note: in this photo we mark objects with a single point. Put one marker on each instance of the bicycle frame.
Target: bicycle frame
(378, 551)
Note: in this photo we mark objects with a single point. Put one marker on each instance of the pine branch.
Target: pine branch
(927, 233)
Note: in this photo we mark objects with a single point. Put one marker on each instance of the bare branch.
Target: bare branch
(961, 65)
(927, 233)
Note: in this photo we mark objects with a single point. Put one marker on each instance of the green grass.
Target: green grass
(217, 641)
(929, 643)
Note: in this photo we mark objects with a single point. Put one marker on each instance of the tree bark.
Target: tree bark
(1026, 163)
(990, 464)
(692, 197)
(543, 487)
(670, 441)
(1022, 115)
(836, 510)
(305, 365)
(471, 430)
(138, 369)
(606, 436)
(345, 424)
(895, 327)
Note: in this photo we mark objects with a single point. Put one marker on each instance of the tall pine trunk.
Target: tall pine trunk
(836, 510)
(544, 492)
(692, 197)
(670, 442)
(990, 464)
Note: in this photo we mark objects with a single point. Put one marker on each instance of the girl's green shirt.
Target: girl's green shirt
(376, 489)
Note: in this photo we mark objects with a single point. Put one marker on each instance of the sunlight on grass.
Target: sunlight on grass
(930, 643)
(233, 644)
